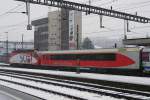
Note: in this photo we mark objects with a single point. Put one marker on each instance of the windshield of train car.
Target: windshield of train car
(145, 56)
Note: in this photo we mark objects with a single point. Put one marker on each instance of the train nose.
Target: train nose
(124, 60)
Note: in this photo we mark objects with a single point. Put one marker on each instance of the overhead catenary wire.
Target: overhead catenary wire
(7, 12)
(119, 29)
(15, 25)
(137, 6)
(145, 2)
(96, 2)
(118, 35)
(131, 5)
(12, 26)
(111, 29)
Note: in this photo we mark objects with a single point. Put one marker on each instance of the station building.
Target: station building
(59, 31)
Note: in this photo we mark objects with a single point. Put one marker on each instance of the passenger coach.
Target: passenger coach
(108, 59)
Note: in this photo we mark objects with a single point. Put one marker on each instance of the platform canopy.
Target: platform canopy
(137, 41)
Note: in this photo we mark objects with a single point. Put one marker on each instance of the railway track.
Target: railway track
(84, 71)
(82, 86)
(64, 95)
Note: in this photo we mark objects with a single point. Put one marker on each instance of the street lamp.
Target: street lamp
(7, 47)
(22, 41)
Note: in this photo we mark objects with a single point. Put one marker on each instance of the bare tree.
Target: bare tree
(87, 44)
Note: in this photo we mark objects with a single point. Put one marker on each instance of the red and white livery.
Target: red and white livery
(23, 57)
(124, 58)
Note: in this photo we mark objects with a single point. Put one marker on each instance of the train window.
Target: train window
(69, 57)
(105, 57)
(64, 57)
(109, 57)
(145, 56)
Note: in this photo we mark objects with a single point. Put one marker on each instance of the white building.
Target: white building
(58, 31)
(75, 29)
(63, 28)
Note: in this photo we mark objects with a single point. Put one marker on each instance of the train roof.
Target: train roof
(23, 50)
(146, 49)
(89, 51)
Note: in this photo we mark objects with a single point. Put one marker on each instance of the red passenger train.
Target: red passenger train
(118, 59)
(86, 58)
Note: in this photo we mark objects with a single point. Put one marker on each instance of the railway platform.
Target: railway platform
(105, 77)
(12, 94)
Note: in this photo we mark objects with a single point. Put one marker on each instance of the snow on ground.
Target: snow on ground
(6, 96)
(3, 63)
(83, 94)
(34, 92)
(115, 78)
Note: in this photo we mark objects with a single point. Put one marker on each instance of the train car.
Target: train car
(126, 58)
(146, 60)
(113, 60)
(24, 57)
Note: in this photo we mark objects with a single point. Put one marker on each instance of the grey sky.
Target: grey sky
(15, 23)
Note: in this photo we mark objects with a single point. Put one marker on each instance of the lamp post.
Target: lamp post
(7, 57)
(22, 41)
(29, 26)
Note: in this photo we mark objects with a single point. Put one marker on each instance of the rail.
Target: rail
(99, 89)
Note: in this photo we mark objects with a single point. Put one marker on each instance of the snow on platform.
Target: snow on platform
(114, 78)
(50, 96)
(1, 64)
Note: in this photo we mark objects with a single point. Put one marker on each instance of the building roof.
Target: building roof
(137, 41)
(40, 21)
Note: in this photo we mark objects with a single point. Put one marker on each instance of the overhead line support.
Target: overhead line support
(90, 9)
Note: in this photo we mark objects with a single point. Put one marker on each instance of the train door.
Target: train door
(146, 60)
(45, 60)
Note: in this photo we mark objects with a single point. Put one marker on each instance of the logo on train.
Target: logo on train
(25, 59)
